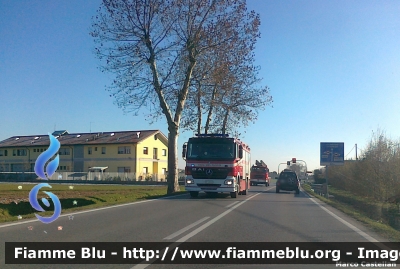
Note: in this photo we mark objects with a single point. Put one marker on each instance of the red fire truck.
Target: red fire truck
(216, 163)
(259, 174)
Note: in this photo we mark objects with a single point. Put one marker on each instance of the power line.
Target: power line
(350, 151)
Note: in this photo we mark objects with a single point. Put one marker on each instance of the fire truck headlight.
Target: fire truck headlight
(228, 182)
(189, 181)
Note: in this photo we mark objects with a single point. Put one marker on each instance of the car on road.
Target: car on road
(288, 181)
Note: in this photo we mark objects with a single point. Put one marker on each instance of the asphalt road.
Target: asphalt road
(260, 216)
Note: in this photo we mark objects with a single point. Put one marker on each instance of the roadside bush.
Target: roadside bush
(375, 175)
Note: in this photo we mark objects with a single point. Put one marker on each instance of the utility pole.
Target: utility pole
(356, 153)
(326, 178)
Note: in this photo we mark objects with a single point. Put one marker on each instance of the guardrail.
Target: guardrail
(320, 189)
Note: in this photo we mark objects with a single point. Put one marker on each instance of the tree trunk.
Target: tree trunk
(199, 110)
(172, 178)
(214, 93)
(225, 122)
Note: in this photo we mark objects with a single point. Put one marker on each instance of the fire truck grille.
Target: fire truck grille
(209, 186)
(218, 173)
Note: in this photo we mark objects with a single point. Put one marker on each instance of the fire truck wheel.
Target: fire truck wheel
(244, 192)
(267, 184)
(194, 194)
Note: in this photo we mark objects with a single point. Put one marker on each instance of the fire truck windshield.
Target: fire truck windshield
(211, 150)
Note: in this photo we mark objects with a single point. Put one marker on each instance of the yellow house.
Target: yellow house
(132, 155)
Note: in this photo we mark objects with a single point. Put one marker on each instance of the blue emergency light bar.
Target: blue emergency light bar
(212, 135)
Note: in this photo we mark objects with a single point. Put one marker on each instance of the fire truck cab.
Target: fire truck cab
(259, 174)
(216, 163)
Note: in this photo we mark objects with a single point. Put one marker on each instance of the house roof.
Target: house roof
(122, 137)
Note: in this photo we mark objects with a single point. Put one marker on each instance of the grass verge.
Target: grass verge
(383, 229)
(14, 198)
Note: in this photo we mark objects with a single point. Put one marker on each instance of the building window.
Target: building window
(95, 148)
(63, 168)
(64, 151)
(3, 152)
(17, 168)
(103, 150)
(34, 150)
(155, 155)
(125, 169)
(19, 152)
(145, 170)
(146, 150)
(164, 171)
(4, 168)
(164, 152)
(89, 150)
(41, 150)
(124, 150)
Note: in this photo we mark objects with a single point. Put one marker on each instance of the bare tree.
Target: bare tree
(152, 48)
(225, 89)
(237, 99)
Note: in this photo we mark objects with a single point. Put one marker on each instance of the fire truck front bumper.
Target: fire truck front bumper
(210, 185)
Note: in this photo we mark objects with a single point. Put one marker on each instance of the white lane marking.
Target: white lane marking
(183, 239)
(140, 266)
(363, 234)
(91, 210)
(205, 225)
(351, 226)
(186, 228)
(232, 204)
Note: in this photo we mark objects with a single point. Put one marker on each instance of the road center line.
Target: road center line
(202, 227)
(186, 228)
(205, 225)
(232, 204)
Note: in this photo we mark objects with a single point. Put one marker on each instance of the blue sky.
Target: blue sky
(333, 68)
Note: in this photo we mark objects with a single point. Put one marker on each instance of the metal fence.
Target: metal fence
(85, 176)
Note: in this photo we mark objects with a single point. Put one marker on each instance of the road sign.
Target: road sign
(332, 153)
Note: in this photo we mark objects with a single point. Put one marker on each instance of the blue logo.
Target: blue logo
(50, 169)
